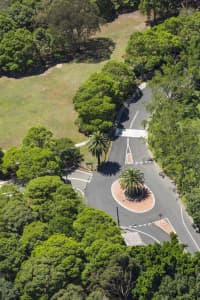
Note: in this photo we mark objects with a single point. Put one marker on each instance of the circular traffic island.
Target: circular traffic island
(141, 204)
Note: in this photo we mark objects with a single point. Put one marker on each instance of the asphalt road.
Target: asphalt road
(167, 204)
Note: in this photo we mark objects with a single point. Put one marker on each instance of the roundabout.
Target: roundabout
(142, 206)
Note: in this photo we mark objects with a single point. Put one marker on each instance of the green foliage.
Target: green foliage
(123, 75)
(6, 24)
(22, 14)
(53, 201)
(149, 50)
(44, 42)
(160, 9)
(42, 188)
(33, 235)
(7, 290)
(174, 126)
(40, 155)
(10, 161)
(18, 52)
(119, 277)
(72, 292)
(52, 265)
(70, 156)
(11, 256)
(14, 212)
(92, 224)
(1, 161)
(74, 21)
(38, 136)
(132, 181)
(98, 144)
(96, 102)
(98, 256)
(36, 162)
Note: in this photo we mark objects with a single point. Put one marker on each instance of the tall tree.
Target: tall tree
(98, 145)
(74, 21)
(132, 181)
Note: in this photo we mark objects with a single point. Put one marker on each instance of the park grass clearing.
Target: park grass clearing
(46, 99)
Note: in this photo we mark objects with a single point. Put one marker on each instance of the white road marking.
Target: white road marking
(133, 133)
(170, 224)
(79, 179)
(142, 86)
(147, 234)
(77, 189)
(197, 246)
(134, 118)
(83, 172)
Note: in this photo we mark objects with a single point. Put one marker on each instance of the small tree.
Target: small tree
(98, 145)
(132, 181)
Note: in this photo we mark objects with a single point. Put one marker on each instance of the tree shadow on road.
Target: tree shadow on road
(109, 168)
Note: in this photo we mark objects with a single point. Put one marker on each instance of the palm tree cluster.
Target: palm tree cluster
(132, 182)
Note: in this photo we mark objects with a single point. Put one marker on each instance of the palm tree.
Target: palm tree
(98, 144)
(132, 181)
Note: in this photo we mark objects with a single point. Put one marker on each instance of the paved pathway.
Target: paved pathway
(132, 151)
(79, 179)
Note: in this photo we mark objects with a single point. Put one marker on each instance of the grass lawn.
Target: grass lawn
(47, 99)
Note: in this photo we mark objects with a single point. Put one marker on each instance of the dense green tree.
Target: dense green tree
(52, 265)
(22, 14)
(96, 101)
(1, 162)
(105, 227)
(34, 234)
(42, 188)
(44, 42)
(132, 182)
(123, 75)
(7, 290)
(72, 292)
(35, 162)
(98, 256)
(74, 21)
(96, 295)
(18, 52)
(54, 202)
(119, 277)
(10, 161)
(11, 256)
(159, 8)
(70, 156)
(6, 24)
(149, 50)
(38, 136)
(98, 145)
(14, 215)
(106, 9)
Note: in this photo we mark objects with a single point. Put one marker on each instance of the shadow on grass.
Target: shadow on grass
(109, 168)
(92, 51)
(95, 50)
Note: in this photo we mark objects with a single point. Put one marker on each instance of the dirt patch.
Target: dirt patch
(136, 207)
(165, 225)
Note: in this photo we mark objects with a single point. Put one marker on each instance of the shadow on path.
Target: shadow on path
(109, 168)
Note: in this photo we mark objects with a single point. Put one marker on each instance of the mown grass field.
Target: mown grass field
(46, 99)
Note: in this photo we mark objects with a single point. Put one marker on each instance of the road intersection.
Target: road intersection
(128, 150)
